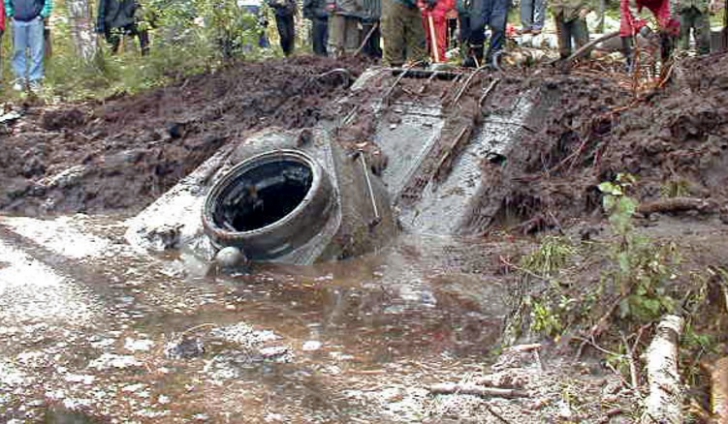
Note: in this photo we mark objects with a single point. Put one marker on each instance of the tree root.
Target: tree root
(472, 389)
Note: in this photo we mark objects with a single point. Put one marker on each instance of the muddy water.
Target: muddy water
(422, 296)
(345, 334)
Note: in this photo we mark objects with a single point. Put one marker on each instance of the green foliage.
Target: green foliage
(617, 204)
(188, 37)
(544, 319)
(643, 267)
(552, 255)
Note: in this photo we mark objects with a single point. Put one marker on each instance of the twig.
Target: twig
(631, 361)
(495, 414)
(507, 263)
(471, 389)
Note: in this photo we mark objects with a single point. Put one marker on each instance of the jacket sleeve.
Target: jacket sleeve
(9, 10)
(2, 16)
(47, 9)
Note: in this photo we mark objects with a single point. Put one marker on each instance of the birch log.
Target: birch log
(664, 402)
(719, 390)
(82, 28)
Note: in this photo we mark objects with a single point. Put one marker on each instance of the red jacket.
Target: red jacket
(439, 12)
(2, 15)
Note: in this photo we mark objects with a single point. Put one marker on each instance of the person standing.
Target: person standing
(694, 15)
(315, 10)
(403, 33)
(493, 13)
(434, 14)
(285, 10)
(344, 31)
(117, 19)
(533, 16)
(630, 25)
(570, 19)
(28, 18)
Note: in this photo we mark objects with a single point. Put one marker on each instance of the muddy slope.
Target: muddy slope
(587, 128)
(121, 154)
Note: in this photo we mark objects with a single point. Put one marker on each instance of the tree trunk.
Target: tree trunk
(82, 28)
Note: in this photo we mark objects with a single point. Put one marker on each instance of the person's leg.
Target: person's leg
(20, 50)
(353, 35)
(702, 32)
(393, 33)
(284, 24)
(497, 22)
(143, 36)
(415, 38)
(113, 38)
(563, 36)
(539, 14)
(36, 43)
(476, 40)
(579, 32)
(319, 27)
(684, 30)
(441, 36)
(336, 35)
(527, 7)
(290, 34)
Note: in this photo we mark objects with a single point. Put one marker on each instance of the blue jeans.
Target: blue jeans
(533, 14)
(493, 13)
(28, 38)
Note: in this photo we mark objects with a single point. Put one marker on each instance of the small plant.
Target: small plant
(552, 255)
(643, 267)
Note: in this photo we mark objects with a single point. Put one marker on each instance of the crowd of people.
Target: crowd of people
(410, 31)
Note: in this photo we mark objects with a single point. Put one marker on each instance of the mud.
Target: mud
(588, 127)
(121, 154)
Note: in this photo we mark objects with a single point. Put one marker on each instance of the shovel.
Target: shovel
(435, 50)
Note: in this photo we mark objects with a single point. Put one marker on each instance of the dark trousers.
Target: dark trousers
(286, 31)
(575, 29)
(493, 13)
(113, 36)
(320, 35)
(372, 47)
(692, 18)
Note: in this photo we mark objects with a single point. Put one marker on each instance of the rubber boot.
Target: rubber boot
(628, 51)
(667, 46)
(475, 58)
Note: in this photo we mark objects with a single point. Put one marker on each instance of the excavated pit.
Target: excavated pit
(424, 309)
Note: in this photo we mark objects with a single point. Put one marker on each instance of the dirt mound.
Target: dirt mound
(587, 128)
(119, 155)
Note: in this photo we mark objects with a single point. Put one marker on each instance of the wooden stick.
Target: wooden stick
(433, 39)
(472, 389)
(664, 402)
(366, 39)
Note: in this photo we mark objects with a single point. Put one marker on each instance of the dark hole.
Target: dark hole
(263, 195)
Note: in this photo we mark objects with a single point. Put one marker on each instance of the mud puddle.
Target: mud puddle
(305, 344)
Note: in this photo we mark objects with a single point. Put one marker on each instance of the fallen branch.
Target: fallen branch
(472, 389)
(678, 204)
(664, 401)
